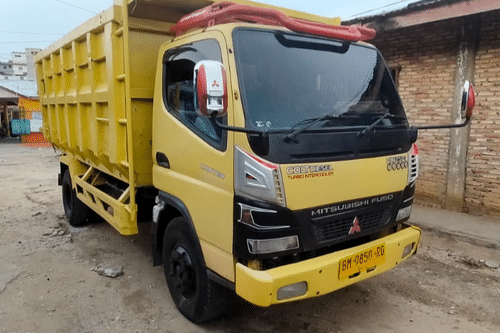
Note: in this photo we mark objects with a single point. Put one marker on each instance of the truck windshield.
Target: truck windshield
(289, 81)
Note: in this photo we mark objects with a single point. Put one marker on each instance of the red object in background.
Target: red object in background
(226, 12)
(35, 140)
(471, 102)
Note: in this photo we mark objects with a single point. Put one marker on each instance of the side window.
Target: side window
(178, 93)
(395, 70)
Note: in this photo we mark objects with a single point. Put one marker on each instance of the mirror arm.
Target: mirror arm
(465, 123)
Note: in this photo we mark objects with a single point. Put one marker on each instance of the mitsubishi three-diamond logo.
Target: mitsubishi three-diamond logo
(355, 226)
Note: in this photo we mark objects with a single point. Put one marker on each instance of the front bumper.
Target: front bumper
(322, 273)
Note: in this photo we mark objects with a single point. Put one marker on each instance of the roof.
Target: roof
(425, 11)
(21, 87)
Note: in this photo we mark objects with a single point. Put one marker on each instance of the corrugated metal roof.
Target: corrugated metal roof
(423, 3)
(425, 11)
(25, 88)
(410, 8)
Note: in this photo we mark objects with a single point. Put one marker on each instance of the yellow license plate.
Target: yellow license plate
(361, 261)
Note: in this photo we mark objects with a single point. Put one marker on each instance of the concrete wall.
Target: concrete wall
(460, 169)
(30, 63)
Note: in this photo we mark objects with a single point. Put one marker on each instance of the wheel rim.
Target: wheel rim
(182, 272)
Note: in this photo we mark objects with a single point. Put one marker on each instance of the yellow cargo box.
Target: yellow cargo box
(95, 92)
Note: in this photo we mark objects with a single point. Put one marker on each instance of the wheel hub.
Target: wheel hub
(182, 272)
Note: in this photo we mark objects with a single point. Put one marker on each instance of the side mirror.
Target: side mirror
(210, 88)
(466, 106)
(468, 100)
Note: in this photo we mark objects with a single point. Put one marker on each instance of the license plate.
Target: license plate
(361, 261)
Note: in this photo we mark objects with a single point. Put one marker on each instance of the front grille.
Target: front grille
(337, 228)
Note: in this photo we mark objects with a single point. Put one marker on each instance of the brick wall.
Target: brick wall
(427, 62)
(427, 57)
(482, 190)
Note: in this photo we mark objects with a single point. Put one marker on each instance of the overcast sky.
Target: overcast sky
(38, 23)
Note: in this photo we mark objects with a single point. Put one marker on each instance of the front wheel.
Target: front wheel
(197, 297)
(76, 211)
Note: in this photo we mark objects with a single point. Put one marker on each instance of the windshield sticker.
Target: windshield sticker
(263, 123)
(309, 171)
(397, 163)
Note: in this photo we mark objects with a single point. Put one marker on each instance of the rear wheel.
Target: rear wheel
(197, 297)
(76, 211)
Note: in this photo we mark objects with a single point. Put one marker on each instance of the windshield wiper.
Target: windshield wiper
(370, 127)
(312, 121)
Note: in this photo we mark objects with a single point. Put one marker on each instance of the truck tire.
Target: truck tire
(76, 211)
(197, 297)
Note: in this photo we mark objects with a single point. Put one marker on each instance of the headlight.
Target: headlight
(246, 217)
(403, 213)
(262, 246)
(257, 178)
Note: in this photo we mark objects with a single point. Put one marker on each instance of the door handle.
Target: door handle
(162, 160)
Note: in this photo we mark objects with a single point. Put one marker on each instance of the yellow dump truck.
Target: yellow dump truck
(268, 147)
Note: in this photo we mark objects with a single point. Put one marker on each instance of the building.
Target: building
(432, 47)
(19, 101)
(20, 67)
(6, 69)
(19, 104)
(19, 64)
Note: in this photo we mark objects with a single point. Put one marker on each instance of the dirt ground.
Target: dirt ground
(48, 281)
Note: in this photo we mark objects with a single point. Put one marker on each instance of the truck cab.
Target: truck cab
(303, 184)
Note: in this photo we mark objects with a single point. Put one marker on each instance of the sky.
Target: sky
(38, 23)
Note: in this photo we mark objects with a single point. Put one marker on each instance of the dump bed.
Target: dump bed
(96, 84)
(96, 91)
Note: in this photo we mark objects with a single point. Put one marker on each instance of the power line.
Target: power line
(372, 10)
(70, 4)
(29, 33)
(29, 42)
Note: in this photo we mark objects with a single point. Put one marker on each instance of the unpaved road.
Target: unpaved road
(48, 283)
